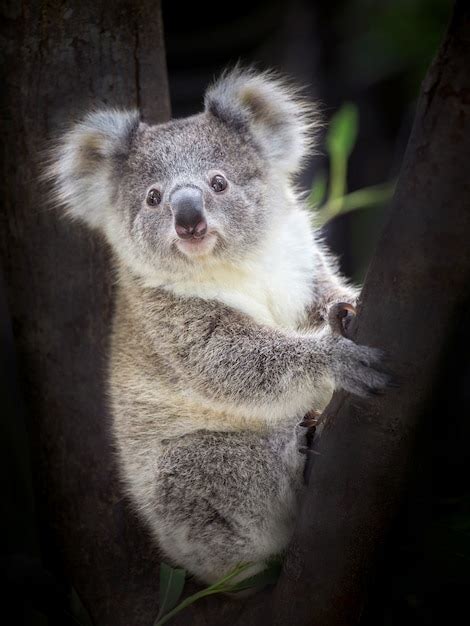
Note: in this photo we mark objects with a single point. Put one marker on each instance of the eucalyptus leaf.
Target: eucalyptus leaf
(318, 191)
(220, 586)
(268, 576)
(171, 587)
(359, 199)
(342, 134)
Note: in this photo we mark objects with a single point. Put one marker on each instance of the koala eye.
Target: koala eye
(218, 183)
(154, 197)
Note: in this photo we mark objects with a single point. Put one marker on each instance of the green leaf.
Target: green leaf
(318, 190)
(360, 199)
(340, 141)
(342, 134)
(220, 586)
(268, 576)
(171, 587)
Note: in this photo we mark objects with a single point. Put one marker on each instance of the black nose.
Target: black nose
(188, 209)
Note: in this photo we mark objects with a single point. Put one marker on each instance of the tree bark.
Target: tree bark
(60, 60)
(414, 295)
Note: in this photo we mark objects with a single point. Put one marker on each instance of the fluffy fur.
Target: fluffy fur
(218, 348)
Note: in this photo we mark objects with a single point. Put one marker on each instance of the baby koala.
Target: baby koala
(220, 341)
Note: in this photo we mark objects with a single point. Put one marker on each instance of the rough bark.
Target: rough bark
(414, 295)
(60, 59)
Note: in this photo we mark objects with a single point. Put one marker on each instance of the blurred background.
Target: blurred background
(372, 53)
(363, 62)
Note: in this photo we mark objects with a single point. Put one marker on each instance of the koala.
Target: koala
(220, 340)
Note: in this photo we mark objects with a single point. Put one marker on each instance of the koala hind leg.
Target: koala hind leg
(225, 498)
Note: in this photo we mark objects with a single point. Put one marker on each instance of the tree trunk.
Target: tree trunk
(414, 297)
(59, 61)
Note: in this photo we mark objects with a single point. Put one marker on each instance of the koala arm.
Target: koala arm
(329, 288)
(221, 354)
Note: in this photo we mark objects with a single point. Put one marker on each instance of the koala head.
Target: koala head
(201, 190)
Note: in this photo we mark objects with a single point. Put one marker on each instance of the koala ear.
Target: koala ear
(81, 164)
(266, 107)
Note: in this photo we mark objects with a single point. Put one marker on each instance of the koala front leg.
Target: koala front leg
(245, 516)
(226, 357)
(329, 288)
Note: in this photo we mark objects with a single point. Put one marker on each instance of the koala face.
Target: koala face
(202, 190)
(192, 189)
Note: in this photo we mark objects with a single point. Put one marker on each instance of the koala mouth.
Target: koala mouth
(197, 246)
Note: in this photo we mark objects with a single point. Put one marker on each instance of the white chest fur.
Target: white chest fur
(274, 285)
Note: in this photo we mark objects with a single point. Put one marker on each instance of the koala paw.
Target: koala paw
(306, 430)
(357, 368)
(340, 316)
(310, 419)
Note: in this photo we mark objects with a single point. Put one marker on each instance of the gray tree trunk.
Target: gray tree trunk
(60, 59)
(414, 298)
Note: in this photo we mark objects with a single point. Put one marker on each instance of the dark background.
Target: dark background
(372, 53)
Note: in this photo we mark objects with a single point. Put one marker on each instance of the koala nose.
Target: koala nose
(188, 209)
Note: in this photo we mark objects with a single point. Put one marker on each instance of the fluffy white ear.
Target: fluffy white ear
(84, 159)
(267, 107)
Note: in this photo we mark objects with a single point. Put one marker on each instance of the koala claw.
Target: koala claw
(306, 430)
(357, 369)
(340, 316)
(310, 419)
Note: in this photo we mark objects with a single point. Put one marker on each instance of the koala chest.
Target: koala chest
(276, 294)
(275, 286)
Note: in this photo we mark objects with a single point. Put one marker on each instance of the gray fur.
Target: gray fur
(217, 350)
